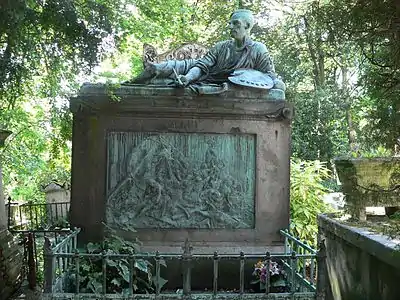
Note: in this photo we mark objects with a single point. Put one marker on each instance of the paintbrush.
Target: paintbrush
(177, 77)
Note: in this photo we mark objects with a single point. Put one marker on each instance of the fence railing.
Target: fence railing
(303, 267)
(40, 217)
(306, 270)
(33, 223)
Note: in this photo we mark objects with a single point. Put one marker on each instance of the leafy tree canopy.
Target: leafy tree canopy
(339, 58)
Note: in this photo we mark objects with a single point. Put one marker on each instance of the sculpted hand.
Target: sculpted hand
(149, 72)
(182, 81)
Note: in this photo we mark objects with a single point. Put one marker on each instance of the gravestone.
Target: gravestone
(58, 197)
(192, 149)
(212, 169)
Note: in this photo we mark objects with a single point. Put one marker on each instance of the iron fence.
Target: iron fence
(33, 223)
(304, 268)
(37, 217)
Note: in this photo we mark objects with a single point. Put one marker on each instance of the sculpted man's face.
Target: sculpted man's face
(238, 27)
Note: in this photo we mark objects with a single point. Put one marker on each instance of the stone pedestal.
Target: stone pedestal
(369, 182)
(11, 264)
(211, 169)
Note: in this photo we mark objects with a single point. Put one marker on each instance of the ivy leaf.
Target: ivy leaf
(279, 282)
(145, 283)
(111, 263)
(91, 247)
(141, 265)
(85, 267)
(116, 282)
(124, 272)
(94, 286)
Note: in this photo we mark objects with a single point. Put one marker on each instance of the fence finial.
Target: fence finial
(47, 245)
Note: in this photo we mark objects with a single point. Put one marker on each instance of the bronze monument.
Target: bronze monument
(240, 60)
(195, 148)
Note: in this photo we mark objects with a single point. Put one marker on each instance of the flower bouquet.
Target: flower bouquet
(277, 276)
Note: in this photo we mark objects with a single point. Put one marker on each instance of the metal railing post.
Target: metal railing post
(31, 261)
(48, 266)
(131, 266)
(77, 276)
(215, 277)
(187, 258)
(286, 245)
(321, 271)
(293, 265)
(104, 272)
(267, 274)
(241, 276)
(158, 273)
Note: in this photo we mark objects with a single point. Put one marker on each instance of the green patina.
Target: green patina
(181, 180)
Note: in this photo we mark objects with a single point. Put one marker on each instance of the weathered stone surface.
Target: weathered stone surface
(104, 129)
(141, 97)
(369, 182)
(58, 196)
(11, 264)
(360, 264)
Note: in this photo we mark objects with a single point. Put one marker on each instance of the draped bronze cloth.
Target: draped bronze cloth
(222, 60)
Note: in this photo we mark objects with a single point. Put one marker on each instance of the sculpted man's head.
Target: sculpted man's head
(241, 23)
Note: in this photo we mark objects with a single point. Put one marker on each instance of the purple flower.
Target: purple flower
(263, 278)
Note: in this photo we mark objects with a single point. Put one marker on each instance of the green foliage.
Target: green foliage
(45, 45)
(46, 42)
(317, 69)
(339, 59)
(306, 194)
(380, 151)
(33, 156)
(372, 26)
(118, 275)
(390, 227)
(340, 62)
(111, 88)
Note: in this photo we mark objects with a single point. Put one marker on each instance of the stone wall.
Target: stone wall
(361, 265)
(11, 263)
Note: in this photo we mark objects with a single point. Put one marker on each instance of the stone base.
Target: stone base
(360, 264)
(369, 182)
(11, 264)
(113, 165)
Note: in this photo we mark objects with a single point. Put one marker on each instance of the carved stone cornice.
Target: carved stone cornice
(168, 101)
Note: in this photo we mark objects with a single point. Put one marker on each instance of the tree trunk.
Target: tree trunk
(351, 132)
